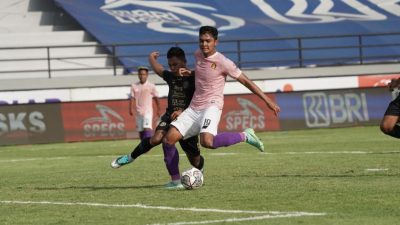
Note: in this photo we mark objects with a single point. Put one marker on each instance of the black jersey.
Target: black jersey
(181, 89)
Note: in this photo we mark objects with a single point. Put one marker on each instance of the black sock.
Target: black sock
(395, 132)
(143, 147)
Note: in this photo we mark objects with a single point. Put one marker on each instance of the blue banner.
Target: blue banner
(336, 108)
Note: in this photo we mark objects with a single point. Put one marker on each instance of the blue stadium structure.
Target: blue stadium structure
(255, 33)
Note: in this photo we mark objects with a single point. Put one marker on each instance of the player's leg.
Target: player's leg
(210, 139)
(171, 154)
(171, 159)
(192, 150)
(184, 126)
(147, 124)
(390, 122)
(144, 146)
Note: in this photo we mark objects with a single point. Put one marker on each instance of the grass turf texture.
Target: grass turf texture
(320, 171)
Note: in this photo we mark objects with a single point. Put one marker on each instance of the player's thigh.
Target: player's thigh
(210, 120)
(187, 123)
(172, 136)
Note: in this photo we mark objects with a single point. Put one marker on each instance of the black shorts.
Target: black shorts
(190, 145)
(165, 121)
(393, 108)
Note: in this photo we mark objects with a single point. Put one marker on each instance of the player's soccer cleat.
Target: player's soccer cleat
(174, 185)
(252, 139)
(120, 161)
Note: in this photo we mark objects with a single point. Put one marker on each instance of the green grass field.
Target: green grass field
(325, 176)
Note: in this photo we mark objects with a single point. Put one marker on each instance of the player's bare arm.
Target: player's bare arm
(243, 79)
(155, 65)
(132, 104)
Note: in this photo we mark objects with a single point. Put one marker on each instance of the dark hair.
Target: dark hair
(143, 68)
(176, 52)
(209, 29)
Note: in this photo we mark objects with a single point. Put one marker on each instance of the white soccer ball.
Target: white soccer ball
(192, 178)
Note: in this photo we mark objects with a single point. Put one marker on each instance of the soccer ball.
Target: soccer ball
(192, 178)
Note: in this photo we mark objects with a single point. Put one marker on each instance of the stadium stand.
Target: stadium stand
(43, 39)
(33, 30)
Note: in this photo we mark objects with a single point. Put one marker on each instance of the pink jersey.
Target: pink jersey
(210, 77)
(143, 94)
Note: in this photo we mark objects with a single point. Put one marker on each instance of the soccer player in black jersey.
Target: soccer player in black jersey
(390, 124)
(181, 89)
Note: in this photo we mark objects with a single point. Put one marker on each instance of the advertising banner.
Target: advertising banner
(377, 80)
(31, 123)
(244, 111)
(86, 121)
(339, 108)
(104, 120)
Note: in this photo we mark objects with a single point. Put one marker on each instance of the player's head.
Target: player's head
(208, 39)
(176, 59)
(143, 73)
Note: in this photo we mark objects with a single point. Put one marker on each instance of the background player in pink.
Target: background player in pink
(141, 102)
(204, 112)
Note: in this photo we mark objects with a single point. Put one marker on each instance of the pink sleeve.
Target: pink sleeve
(132, 91)
(231, 69)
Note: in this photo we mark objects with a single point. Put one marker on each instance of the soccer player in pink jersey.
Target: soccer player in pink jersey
(204, 112)
(141, 102)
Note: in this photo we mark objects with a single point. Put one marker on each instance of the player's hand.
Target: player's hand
(175, 114)
(274, 107)
(184, 72)
(154, 55)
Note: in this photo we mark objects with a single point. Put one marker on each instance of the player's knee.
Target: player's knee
(170, 139)
(207, 143)
(156, 140)
(386, 129)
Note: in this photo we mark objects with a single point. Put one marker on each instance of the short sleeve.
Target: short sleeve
(231, 69)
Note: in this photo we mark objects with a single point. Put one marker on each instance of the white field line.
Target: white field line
(32, 159)
(331, 152)
(376, 169)
(140, 206)
(212, 154)
(267, 214)
(284, 215)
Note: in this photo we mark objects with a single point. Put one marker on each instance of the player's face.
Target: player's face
(175, 63)
(207, 44)
(143, 76)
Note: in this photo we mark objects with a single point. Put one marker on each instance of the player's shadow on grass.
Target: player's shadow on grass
(96, 188)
